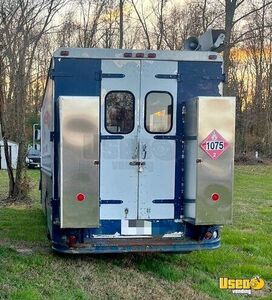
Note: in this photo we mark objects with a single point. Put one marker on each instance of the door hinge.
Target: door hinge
(53, 73)
(169, 76)
(52, 136)
(112, 75)
(100, 75)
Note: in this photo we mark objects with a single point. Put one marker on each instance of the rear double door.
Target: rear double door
(137, 149)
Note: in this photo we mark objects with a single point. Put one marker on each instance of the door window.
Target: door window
(119, 115)
(158, 112)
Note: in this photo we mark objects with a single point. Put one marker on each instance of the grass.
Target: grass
(29, 270)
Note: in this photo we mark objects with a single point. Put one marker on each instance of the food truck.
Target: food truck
(137, 149)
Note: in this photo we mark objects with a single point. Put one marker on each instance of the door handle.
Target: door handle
(136, 163)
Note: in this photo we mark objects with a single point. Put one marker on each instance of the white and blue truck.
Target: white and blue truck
(137, 149)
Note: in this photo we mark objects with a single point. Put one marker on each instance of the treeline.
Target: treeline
(166, 24)
(30, 30)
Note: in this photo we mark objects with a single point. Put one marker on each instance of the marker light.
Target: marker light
(212, 57)
(141, 55)
(151, 55)
(64, 53)
(127, 54)
(215, 197)
(80, 197)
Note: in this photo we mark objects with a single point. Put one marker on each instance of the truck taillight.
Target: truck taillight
(211, 235)
(208, 235)
(215, 197)
(71, 241)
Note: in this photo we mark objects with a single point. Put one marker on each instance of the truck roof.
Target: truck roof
(102, 53)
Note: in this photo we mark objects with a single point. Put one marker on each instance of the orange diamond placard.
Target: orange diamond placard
(214, 145)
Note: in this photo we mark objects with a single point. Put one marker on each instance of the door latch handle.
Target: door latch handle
(96, 162)
(137, 163)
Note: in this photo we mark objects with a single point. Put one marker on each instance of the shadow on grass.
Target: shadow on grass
(22, 224)
(159, 264)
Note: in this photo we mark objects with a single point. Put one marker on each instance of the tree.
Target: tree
(142, 17)
(242, 9)
(23, 23)
(121, 23)
(91, 13)
(250, 77)
(191, 19)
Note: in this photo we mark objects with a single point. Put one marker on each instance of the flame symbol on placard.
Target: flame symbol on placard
(214, 136)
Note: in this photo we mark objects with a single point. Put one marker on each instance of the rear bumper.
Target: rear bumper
(137, 245)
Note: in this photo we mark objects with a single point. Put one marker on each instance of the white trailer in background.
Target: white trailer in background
(13, 153)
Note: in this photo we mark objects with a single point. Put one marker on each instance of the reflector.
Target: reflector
(80, 197)
(215, 197)
(64, 53)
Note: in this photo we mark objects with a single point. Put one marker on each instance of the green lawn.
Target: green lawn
(29, 270)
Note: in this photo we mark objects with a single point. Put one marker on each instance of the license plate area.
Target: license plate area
(136, 227)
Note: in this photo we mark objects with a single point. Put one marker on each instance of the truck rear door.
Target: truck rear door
(119, 139)
(157, 139)
(138, 129)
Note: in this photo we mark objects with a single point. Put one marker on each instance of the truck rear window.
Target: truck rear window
(158, 112)
(119, 116)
